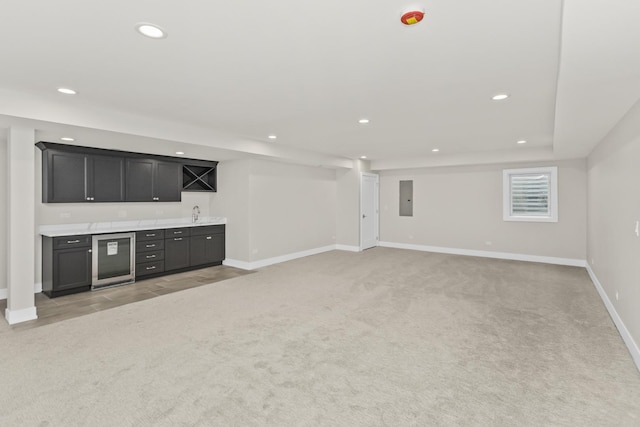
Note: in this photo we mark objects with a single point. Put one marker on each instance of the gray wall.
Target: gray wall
(613, 209)
(232, 201)
(292, 208)
(3, 211)
(461, 208)
(275, 209)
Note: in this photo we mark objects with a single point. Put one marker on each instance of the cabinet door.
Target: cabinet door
(71, 268)
(139, 179)
(106, 178)
(168, 182)
(198, 250)
(216, 250)
(207, 249)
(64, 176)
(176, 253)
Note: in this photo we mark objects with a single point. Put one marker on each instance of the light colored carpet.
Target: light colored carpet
(383, 337)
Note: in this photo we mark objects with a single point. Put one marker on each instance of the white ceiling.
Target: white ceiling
(231, 73)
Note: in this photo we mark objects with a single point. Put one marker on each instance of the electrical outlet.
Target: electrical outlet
(617, 296)
(410, 236)
(122, 214)
(488, 243)
(637, 230)
(255, 251)
(65, 215)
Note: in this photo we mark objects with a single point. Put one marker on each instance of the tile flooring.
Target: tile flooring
(51, 310)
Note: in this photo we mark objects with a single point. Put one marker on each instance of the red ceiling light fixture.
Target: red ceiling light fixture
(413, 17)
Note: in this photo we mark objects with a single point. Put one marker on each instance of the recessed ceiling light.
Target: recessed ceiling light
(363, 157)
(151, 30)
(363, 121)
(500, 96)
(272, 137)
(179, 152)
(522, 141)
(435, 150)
(66, 138)
(67, 91)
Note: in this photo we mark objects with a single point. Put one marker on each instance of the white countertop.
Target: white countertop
(124, 226)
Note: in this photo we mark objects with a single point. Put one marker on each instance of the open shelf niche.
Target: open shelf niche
(199, 178)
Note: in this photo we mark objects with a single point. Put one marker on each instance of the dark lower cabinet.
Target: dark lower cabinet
(176, 253)
(67, 261)
(207, 248)
(149, 253)
(66, 265)
(160, 252)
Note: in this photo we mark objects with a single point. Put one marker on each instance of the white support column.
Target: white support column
(21, 225)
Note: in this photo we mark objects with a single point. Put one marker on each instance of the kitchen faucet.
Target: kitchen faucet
(195, 212)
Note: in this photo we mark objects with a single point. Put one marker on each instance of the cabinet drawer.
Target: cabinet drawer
(149, 256)
(68, 242)
(176, 232)
(149, 245)
(147, 268)
(207, 229)
(142, 236)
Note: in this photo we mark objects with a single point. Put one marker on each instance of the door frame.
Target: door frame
(376, 206)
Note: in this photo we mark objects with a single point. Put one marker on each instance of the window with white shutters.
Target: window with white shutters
(530, 194)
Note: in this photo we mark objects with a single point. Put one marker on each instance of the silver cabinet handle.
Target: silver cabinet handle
(151, 268)
(208, 237)
(151, 246)
(150, 235)
(177, 232)
(73, 241)
(150, 256)
(178, 238)
(90, 251)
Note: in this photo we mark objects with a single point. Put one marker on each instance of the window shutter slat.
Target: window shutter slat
(530, 194)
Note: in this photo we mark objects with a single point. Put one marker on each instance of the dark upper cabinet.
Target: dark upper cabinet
(63, 177)
(74, 174)
(168, 181)
(149, 180)
(105, 178)
(71, 177)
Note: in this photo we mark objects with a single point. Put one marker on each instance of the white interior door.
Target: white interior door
(368, 211)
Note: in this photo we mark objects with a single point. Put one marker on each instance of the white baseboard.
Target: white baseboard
(347, 248)
(4, 293)
(276, 260)
(19, 316)
(243, 265)
(488, 254)
(622, 328)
